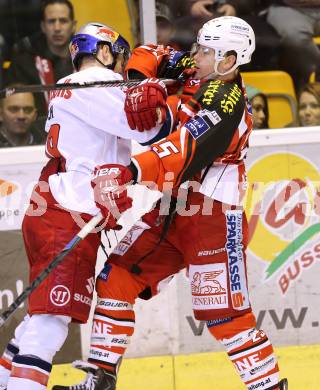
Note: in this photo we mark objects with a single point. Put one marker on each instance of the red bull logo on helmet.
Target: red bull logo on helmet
(109, 34)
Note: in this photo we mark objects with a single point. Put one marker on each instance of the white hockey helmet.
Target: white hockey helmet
(228, 33)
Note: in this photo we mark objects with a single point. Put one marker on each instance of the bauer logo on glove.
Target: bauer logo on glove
(111, 172)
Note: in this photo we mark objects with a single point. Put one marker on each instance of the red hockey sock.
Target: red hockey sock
(250, 351)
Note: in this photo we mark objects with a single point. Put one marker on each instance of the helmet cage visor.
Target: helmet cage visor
(196, 48)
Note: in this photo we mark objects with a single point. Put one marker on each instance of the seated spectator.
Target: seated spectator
(18, 115)
(297, 22)
(309, 105)
(165, 27)
(44, 57)
(260, 109)
(191, 14)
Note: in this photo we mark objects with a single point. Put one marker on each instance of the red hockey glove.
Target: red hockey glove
(145, 104)
(110, 192)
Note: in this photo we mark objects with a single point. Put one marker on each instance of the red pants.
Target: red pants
(212, 247)
(68, 289)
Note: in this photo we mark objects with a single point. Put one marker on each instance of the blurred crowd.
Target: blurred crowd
(38, 53)
(34, 38)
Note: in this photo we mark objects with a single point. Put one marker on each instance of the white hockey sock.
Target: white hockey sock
(4, 376)
(43, 336)
(24, 384)
(6, 362)
(12, 349)
(9, 353)
(29, 372)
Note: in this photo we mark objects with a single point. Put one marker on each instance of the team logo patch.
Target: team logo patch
(60, 295)
(209, 286)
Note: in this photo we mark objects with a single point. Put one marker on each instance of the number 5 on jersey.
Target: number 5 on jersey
(165, 149)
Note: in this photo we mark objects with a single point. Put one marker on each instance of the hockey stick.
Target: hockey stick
(57, 260)
(57, 87)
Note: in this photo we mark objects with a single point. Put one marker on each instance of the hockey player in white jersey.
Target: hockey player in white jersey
(86, 129)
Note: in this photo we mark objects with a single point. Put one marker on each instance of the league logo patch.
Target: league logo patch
(197, 127)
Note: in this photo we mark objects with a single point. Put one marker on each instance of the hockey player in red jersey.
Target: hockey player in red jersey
(203, 157)
(86, 129)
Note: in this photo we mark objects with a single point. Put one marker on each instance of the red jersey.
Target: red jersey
(210, 142)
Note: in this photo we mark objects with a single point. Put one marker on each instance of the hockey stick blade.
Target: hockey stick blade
(57, 260)
(38, 88)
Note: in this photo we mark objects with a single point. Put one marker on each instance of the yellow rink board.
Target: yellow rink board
(114, 13)
(205, 371)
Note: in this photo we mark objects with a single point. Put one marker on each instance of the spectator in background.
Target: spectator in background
(44, 57)
(165, 26)
(267, 53)
(309, 105)
(18, 19)
(191, 14)
(260, 109)
(18, 115)
(297, 22)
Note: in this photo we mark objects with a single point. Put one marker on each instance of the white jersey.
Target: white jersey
(87, 127)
